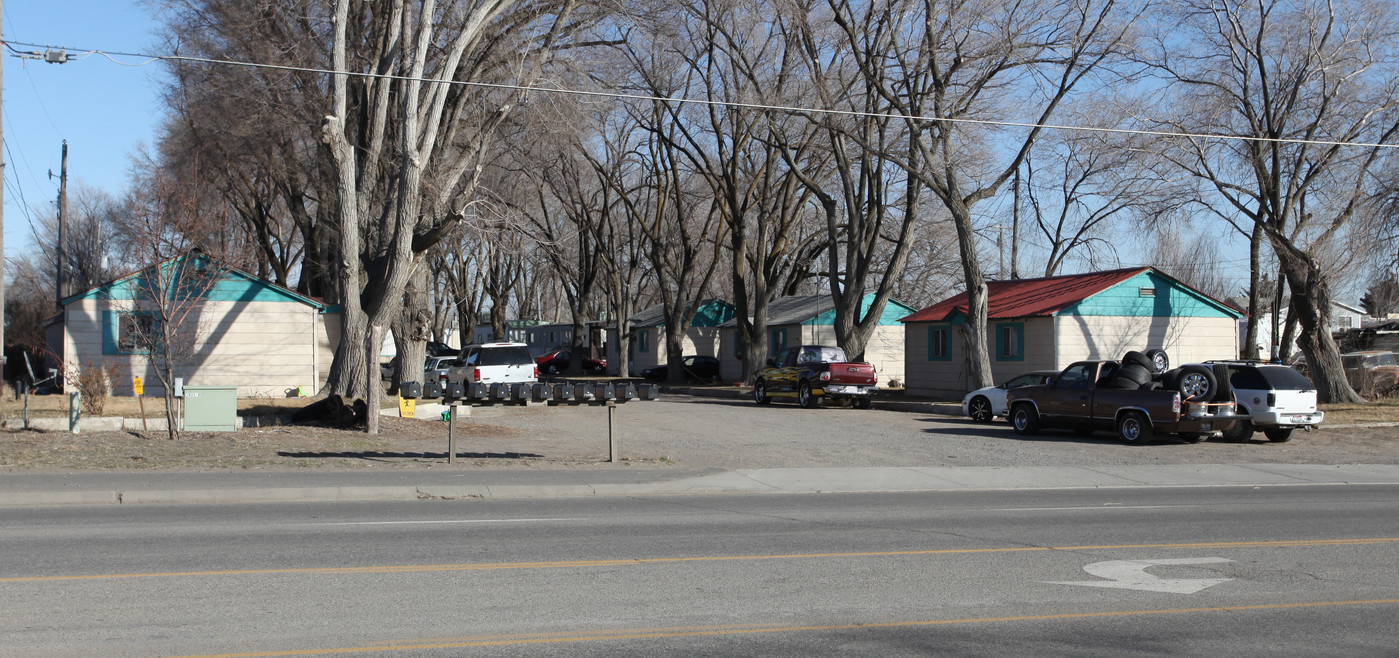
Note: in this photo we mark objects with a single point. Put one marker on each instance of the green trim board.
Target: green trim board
(1168, 298)
(232, 285)
(893, 311)
(1001, 343)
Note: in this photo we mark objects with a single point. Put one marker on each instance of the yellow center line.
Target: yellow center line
(699, 631)
(491, 566)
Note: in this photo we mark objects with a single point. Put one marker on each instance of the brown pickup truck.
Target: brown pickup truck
(812, 372)
(1082, 397)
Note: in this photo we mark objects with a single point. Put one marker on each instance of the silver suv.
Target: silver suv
(1276, 398)
(494, 363)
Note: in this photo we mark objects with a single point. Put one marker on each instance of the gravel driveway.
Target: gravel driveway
(732, 433)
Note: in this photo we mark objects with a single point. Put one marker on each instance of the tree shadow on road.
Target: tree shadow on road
(392, 456)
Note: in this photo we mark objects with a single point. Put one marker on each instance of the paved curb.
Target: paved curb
(761, 481)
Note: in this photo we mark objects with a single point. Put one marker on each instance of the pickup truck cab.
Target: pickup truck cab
(1080, 398)
(812, 372)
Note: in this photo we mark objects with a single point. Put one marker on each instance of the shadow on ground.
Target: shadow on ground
(390, 456)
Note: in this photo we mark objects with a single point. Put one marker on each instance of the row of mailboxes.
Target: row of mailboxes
(560, 393)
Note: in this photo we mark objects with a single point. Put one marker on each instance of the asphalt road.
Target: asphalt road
(1287, 570)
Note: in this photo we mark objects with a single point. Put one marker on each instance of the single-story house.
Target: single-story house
(1343, 317)
(648, 343)
(810, 320)
(238, 330)
(1048, 323)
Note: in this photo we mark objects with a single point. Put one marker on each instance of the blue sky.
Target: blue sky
(105, 110)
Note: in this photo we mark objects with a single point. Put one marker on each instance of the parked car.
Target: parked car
(1271, 397)
(812, 372)
(1372, 373)
(697, 368)
(435, 348)
(983, 404)
(435, 368)
(494, 363)
(557, 361)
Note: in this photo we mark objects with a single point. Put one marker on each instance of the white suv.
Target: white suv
(494, 363)
(1276, 398)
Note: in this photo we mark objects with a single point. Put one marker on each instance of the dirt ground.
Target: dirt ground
(401, 443)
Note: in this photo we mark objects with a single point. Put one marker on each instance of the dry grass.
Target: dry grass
(56, 406)
(1379, 411)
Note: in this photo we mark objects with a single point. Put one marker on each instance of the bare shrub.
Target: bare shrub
(94, 382)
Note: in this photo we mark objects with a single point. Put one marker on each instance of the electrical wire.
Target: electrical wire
(149, 59)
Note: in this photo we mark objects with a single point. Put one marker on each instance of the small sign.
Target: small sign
(136, 385)
(407, 407)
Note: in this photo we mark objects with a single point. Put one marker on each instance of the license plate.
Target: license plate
(1299, 419)
(1205, 427)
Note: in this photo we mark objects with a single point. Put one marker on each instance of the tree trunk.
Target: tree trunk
(1311, 306)
(1255, 301)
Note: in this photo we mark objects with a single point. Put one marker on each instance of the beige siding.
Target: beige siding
(1186, 340)
(703, 341)
(263, 348)
(950, 379)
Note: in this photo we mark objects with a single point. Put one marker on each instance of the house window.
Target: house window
(1010, 342)
(643, 340)
(777, 341)
(738, 346)
(127, 332)
(938, 346)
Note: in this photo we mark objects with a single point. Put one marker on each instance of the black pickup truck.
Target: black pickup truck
(1093, 395)
(812, 372)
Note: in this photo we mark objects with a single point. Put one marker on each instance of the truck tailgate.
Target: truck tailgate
(852, 373)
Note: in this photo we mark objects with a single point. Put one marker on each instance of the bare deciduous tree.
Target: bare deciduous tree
(1308, 84)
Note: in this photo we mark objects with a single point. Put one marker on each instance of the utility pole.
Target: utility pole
(62, 221)
(3, 178)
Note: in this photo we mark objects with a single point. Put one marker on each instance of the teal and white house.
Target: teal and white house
(1049, 323)
(238, 330)
(648, 343)
(810, 320)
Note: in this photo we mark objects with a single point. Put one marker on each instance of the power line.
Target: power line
(56, 54)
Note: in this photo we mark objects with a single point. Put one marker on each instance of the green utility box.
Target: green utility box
(211, 408)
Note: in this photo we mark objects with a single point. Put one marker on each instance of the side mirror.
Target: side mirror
(772, 363)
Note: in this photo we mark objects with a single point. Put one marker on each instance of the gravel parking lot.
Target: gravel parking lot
(733, 433)
(678, 430)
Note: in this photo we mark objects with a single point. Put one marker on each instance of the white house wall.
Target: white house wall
(263, 348)
(1185, 339)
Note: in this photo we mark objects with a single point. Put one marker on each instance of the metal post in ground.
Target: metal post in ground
(451, 434)
(612, 431)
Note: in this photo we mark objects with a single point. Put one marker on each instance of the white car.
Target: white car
(984, 404)
(1276, 398)
(494, 363)
(435, 368)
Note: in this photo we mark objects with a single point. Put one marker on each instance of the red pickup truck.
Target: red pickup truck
(1089, 395)
(812, 372)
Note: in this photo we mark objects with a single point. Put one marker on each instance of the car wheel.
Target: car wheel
(1195, 383)
(979, 409)
(551, 369)
(1241, 431)
(862, 403)
(806, 398)
(1159, 361)
(1024, 419)
(1134, 372)
(1134, 428)
(1278, 434)
(760, 392)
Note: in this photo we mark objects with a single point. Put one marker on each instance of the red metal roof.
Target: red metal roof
(1024, 298)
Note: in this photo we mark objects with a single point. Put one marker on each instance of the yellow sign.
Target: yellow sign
(407, 407)
(136, 384)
